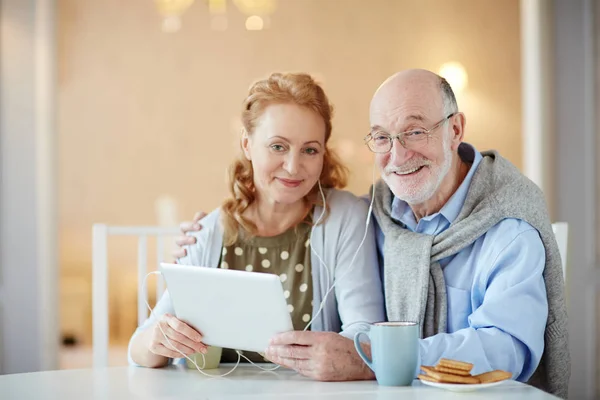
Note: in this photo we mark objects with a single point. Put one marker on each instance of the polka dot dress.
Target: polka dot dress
(287, 255)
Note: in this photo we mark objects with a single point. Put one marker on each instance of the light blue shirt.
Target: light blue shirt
(497, 305)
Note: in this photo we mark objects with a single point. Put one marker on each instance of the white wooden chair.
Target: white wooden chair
(561, 231)
(100, 234)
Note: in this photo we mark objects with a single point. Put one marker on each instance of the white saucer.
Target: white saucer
(462, 387)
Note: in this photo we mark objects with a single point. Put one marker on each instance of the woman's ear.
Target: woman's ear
(245, 142)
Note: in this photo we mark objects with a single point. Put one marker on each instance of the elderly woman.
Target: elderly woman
(277, 222)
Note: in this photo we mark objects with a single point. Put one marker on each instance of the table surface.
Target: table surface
(246, 382)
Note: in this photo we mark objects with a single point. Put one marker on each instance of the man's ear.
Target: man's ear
(458, 130)
(245, 142)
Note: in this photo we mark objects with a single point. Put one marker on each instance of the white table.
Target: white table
(246, 382)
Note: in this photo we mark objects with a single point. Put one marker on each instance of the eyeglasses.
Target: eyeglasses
(381, 142)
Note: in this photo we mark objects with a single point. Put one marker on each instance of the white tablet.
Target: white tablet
(232, 309)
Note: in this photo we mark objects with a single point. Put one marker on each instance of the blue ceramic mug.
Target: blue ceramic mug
(394, 352)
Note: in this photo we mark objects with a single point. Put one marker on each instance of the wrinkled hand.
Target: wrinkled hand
(182, 336)
(181, 241)
(324, 356)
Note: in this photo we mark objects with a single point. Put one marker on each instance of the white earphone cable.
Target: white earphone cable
(322, 263)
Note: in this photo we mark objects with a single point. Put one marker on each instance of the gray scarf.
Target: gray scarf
(415, 289)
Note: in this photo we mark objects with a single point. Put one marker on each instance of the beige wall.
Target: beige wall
(144, 114)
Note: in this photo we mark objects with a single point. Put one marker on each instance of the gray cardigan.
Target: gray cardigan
(357, 297)
(497, 191)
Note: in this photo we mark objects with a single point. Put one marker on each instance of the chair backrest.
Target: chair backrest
(561, 231)
(100, 233)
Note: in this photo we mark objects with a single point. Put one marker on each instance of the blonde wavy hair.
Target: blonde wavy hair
(290, 88)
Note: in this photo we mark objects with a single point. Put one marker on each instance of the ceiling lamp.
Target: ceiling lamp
(257, 11)
(171, 11)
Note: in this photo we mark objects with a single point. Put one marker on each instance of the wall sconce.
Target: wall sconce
(456, 75)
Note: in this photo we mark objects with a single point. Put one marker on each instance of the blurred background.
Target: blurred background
(126, 113)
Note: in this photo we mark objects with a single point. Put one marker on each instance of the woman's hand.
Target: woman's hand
(180, 335)
(324, 356)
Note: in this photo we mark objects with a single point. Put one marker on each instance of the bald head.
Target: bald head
(415, 89)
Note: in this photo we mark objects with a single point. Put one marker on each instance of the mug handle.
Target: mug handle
(359, 349)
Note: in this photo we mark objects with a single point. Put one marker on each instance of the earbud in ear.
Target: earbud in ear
(245, 143)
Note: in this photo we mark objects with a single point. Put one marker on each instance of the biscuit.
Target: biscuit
(493, 376)
(452, 371)
(448, 378)
(426, 378)
(463, 366)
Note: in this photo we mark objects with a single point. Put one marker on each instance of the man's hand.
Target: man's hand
(324, 356)
(181, 241)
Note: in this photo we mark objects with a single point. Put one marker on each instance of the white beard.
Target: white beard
(438, 173)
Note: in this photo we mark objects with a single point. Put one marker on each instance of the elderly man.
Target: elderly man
(466, 247)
